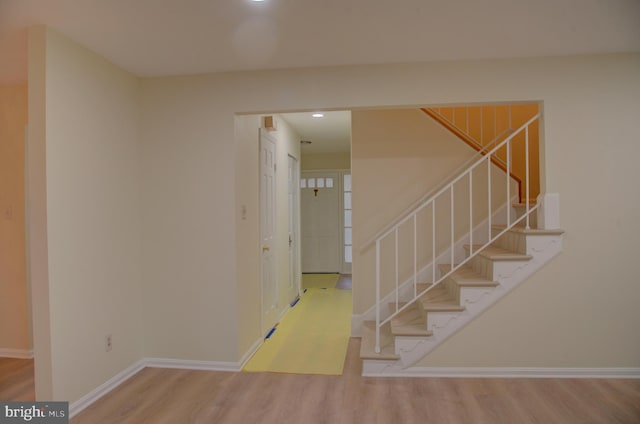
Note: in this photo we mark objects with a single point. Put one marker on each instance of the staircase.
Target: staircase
(415, 316)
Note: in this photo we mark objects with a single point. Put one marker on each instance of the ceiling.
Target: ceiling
(179, 37)
(329, 134)
(172, 37)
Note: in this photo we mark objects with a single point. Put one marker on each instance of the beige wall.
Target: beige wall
(247, 203)
(338, 160)
(36, 164)
(578, 311)
(91, 132)
(567, 86)
(14, 310)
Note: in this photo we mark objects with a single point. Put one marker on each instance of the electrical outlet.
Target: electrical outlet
(109, 343)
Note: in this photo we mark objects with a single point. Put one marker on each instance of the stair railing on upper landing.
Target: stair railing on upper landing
(430, 203)
(477, 143)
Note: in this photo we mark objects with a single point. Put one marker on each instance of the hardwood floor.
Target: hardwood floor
(16, 380)
(181, 396)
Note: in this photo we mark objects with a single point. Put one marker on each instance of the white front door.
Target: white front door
(268, 230)
(294, 227)
(321, 229)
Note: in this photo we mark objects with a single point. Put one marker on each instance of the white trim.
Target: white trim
(508, 372)
(249, 354)
(104, 388)
(16, 353)
(192, 364)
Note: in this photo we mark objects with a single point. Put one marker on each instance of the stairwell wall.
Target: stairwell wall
(398, 156)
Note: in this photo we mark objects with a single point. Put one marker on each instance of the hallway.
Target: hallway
(312, 337)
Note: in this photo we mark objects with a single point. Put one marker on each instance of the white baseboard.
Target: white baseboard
(106, 387)
(16, 353)
(249, 354)
(465, 372)
(192, 364)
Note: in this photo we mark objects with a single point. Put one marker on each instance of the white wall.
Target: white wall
(578, 311)
(247, 202)
(91, 135)
(575, 92)
(247, 176)
(336, 160)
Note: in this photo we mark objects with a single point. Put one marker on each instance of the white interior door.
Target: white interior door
(320, 226)
(294, 227)
(268, 230)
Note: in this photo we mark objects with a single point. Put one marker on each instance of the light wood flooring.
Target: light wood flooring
(344, 282)
(181, 396)
(16, 380)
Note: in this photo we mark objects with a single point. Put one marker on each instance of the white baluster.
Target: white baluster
(526, 161)
(470, 211)
(377, 347)
(452, 228)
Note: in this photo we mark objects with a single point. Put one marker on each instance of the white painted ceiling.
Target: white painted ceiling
(331, 133)
(175, 37)
(170, 37)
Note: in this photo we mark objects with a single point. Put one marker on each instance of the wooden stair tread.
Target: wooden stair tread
(530, 231)
(368, 343)
(442, 306)
(410, 322)
(466, 276)
(499, 254)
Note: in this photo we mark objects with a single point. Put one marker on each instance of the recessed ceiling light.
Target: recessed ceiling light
(318, 115)
(257, 1)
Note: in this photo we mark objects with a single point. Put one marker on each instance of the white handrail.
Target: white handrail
(468, 173)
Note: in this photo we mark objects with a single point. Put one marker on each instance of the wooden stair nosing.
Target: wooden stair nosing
(442, 306)
(530, 231)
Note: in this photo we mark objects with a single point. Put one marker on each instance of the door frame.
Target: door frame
(295, 263)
